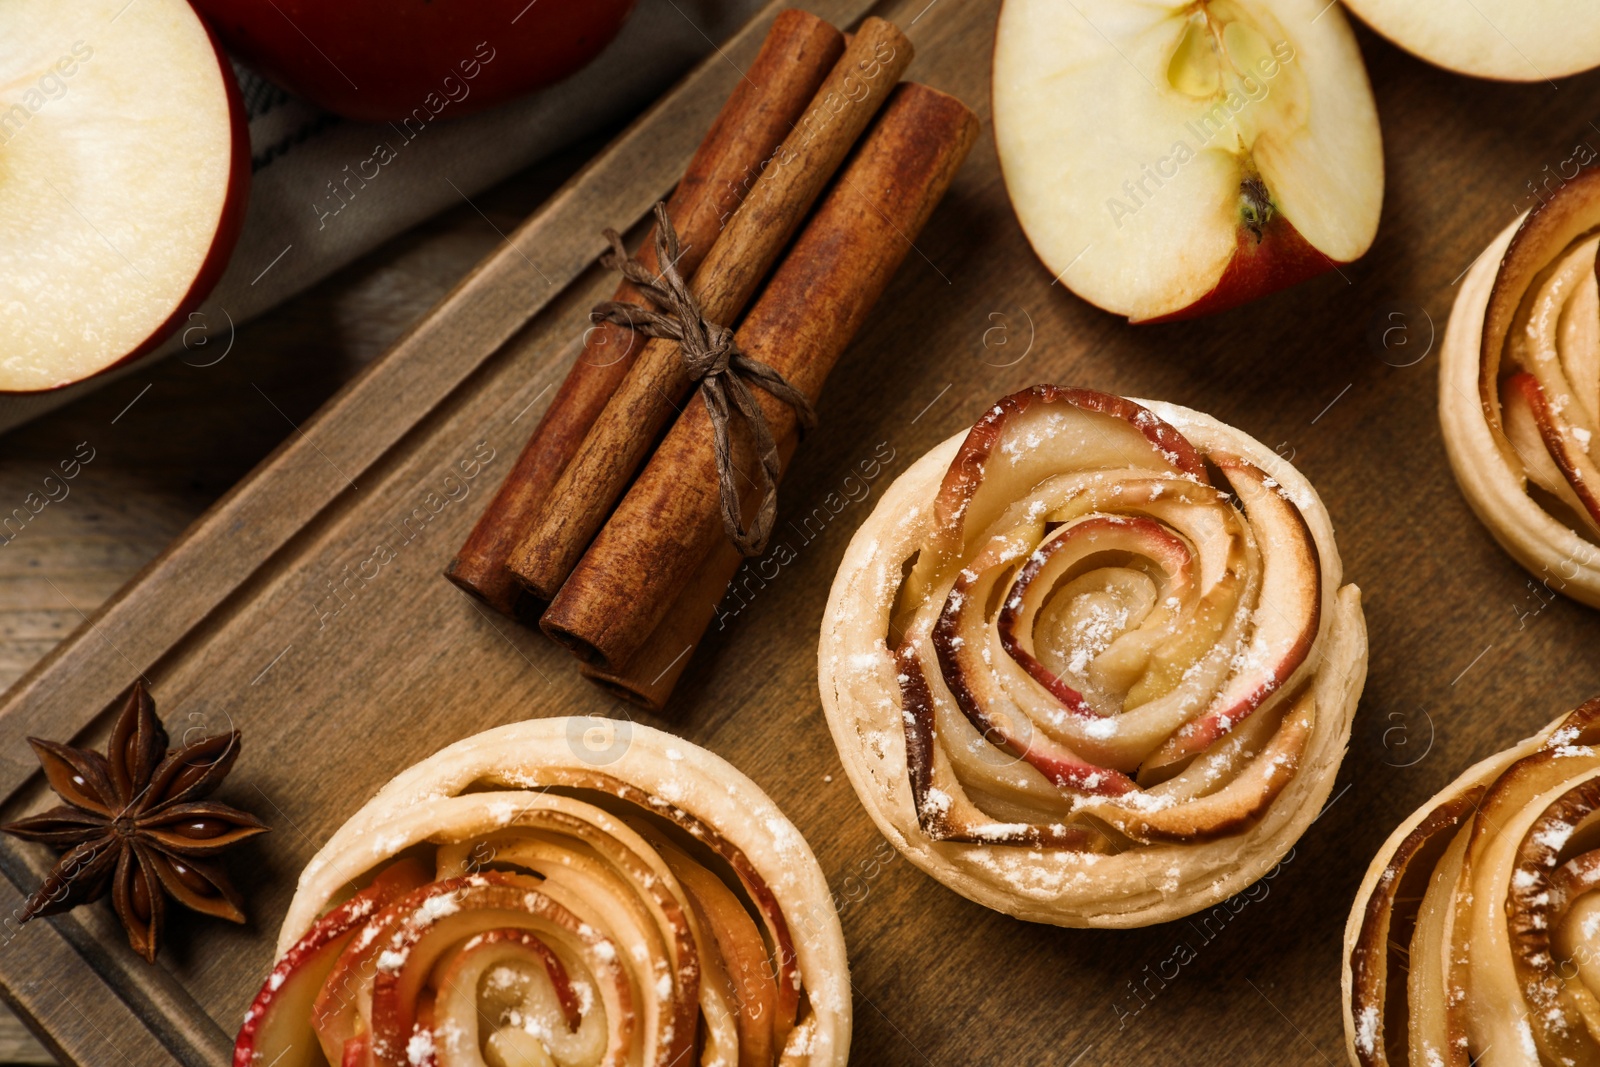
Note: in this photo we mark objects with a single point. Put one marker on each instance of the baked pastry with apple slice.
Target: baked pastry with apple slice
(1475, 937)
(1519, 389)
(1093, 662)
(573, 891)
(1168, 159)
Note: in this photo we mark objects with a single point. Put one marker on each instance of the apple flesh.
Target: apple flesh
(529, 1006)
(1539, 356)
(277, 1028)
(466, 910)
(1509, 40)
(1286, 621)
(124, 163)
(1170, 160)
(1121, 625)
(383, 61)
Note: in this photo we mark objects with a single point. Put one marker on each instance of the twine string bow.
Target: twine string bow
(713, 359)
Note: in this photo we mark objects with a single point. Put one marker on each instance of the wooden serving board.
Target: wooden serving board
(270, 614)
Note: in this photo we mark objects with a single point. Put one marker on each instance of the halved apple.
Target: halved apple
(124, 162)
(1171, 159)
(1511, 40)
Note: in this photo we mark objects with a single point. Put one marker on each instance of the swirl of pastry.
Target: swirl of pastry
(568, 892)
(1090, 662)
(1519, 389)
(1475, 938)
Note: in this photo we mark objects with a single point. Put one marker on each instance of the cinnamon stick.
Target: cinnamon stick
(643, 560)
(798, 53)
(651, 674)
(649, 678)
(655, 386)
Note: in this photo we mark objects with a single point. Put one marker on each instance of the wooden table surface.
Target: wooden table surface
(1466, 658)
(198, 429)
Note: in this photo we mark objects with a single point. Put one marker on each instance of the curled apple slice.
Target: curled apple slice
(341, 1013)
(1104, 628)
(277, 1026)
(1519, 389)
(555, 914)
(1372, 962)
(1486, 904)
(494, 919)
(1110, 619)
(1284, 623)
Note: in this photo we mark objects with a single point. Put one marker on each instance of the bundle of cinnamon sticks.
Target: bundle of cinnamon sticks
(821, 158)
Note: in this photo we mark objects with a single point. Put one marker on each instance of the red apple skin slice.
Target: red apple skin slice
(1306, 565)
(1582, 727)
(229, 224)
(1261, 265)
(748, 968)
(1369, 957)
(761, 894)
(917, 703)
(1533, 913)
(1527, 387)
(1230, 809)
(394, 993)
(277, 1027)
(560, 981)
(1055, 762)
(1166, 548)
(1550, 226)
(448, 976)
(966, 472)
(333, 1014)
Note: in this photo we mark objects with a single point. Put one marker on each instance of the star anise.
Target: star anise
(136, 823)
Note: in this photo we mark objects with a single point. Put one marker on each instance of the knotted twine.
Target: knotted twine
(713, 359)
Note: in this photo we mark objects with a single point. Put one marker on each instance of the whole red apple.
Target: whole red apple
(386, 60)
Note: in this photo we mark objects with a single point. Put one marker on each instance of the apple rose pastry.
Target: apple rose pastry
(1090, 662)
(1475, 938)
(529, 898)
(1519, 389)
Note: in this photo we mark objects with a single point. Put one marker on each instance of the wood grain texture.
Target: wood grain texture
(335, 695)
(169, 443)
(163, 454)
